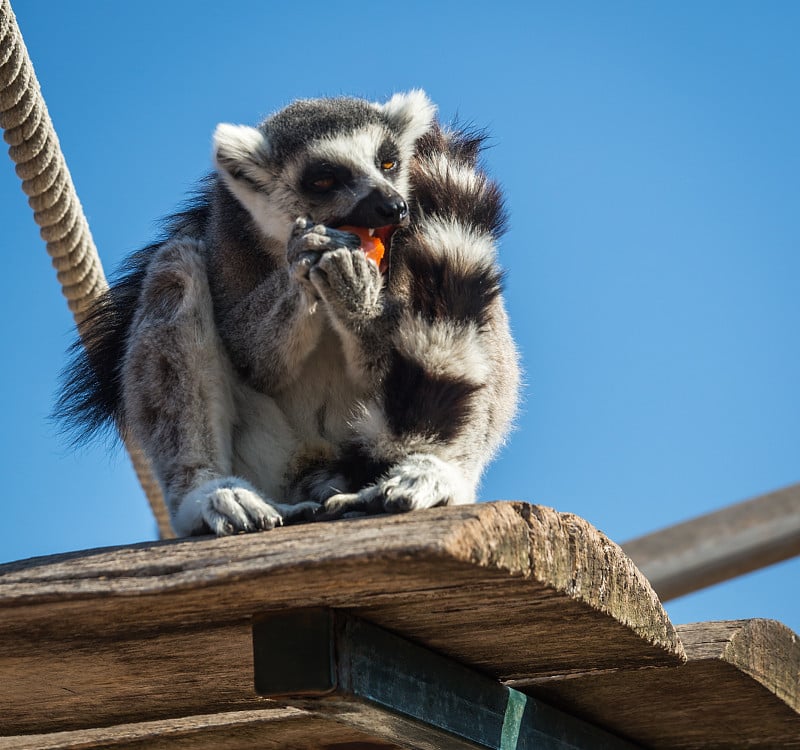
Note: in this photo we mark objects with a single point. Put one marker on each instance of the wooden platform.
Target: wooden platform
(151, 645)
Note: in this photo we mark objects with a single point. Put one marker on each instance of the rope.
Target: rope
(35, 150)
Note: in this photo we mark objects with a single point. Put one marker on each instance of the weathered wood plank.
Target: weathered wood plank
(574, 574)
(740, 688)
(51, 683)
(277, 728)
(720, 545)
(161, 630)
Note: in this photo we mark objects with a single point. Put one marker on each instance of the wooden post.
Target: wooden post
(720, 545)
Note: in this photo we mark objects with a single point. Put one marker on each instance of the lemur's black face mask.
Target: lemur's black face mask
(381, 208)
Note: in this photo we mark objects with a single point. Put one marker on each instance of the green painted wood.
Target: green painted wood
(348, 665)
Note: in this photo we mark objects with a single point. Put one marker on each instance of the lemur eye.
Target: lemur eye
(324, 183)
(325, 178)
(387, 165)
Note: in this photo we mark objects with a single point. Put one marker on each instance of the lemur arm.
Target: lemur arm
(272, 331)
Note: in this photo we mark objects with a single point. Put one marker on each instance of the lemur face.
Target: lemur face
(334, 161)
(357, 180)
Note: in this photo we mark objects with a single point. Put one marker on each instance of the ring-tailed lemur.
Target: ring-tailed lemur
(269, 369)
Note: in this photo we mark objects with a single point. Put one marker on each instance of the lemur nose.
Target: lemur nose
(394, 210)
(378, 209)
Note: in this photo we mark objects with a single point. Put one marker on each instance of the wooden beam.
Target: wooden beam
(739, 690)
(361, 675)
(161, 630)
(721, 545)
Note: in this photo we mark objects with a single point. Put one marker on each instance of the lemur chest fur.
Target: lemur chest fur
(319, 403)
(279, 435)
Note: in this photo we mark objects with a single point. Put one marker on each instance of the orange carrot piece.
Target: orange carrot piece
(372, 246)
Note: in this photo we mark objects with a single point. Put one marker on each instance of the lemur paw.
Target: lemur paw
(419, 481)
(349, 282)
(307, 244)
(227, 505)
(310, 241)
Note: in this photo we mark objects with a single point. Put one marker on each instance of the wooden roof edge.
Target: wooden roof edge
(766, 650)
(571, 555)
(560, 551)
(486, 535)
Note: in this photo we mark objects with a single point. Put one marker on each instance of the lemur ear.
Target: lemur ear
(411, 113)
(239, 150)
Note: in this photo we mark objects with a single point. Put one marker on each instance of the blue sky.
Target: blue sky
(651, 161)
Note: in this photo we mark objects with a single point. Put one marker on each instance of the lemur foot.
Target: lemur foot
(419, 481)
(229, 505)
(317, 486)
(298, 512)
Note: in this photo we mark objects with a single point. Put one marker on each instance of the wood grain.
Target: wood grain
(162, 630)
(275, 728)
(740, 688)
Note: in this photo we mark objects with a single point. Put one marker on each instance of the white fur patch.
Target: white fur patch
(411, 113)
(264, 442)
(239, 144)
(265, 210)
(444, 169)
(247, 149)
(425, 481)
(444, 348)
(454, 240)
(226, 505)
(356, 150)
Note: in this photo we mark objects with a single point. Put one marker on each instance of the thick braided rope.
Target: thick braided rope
(36, 152)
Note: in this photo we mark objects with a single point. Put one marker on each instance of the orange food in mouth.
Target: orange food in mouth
(372, 246)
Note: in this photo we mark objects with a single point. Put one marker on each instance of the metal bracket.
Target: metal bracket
(356, 673)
